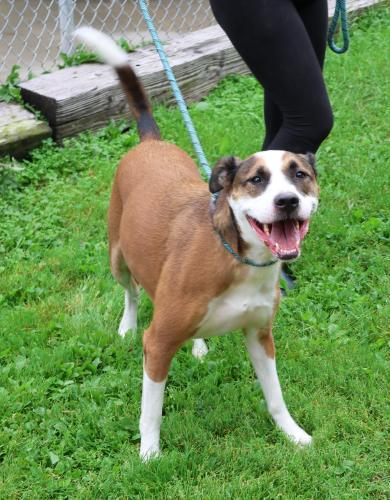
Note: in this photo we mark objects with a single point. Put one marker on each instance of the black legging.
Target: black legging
(283, 43)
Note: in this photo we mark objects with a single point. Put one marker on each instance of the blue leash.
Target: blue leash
(339, 12)
(175, 88)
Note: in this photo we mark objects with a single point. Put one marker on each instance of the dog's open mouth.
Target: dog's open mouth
(283, 237)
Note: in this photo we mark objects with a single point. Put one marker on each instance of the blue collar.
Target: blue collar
(243, 260)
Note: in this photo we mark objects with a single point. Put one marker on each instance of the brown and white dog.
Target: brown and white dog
(163, 232)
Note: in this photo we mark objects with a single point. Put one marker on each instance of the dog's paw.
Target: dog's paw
(199, 349)
(126, 326)
(292, 430)
(149, 454)
(298, 436)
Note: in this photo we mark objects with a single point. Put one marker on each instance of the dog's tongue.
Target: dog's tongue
(286, 235)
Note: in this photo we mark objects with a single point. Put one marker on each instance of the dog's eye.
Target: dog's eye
(300, 174)
(256, 180)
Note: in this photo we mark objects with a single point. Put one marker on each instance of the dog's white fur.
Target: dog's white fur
(103, 45)
(248, 304)
(151, 413)
(265, 368)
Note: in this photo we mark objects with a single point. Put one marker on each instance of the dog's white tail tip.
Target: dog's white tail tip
(103, 45)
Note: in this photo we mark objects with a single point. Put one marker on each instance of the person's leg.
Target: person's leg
(314, 14)
(273, 119)
(273, 40)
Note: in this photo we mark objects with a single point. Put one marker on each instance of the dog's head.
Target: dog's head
(272, 196)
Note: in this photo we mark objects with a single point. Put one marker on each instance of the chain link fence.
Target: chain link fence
(33, 33)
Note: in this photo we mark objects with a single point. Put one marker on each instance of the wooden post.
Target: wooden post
(66, 16)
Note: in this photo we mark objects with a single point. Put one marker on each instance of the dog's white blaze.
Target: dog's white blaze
(265, 369)
(151, 415)
(247, 304)
(103, 45)
(273, 157)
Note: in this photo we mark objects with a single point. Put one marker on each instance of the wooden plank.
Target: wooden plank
(20, 130)
(88, 96)
(353, 5)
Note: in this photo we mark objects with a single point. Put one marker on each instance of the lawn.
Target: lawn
(70, 386)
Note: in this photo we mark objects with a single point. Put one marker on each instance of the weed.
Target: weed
(79, 56)
(10, 92)
(124, 44)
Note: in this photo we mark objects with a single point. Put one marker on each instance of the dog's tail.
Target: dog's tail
(113, 55)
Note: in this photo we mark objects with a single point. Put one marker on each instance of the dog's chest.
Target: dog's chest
(246, 304)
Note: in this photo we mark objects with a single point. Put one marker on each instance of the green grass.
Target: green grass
(70, 387)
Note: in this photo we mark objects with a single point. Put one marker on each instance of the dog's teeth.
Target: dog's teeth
(296, 223)
(277, 247)
(266, 229)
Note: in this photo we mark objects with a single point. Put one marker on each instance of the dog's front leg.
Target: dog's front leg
(262, 352)
(159, 350)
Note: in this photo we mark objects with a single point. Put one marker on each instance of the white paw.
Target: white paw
(126, 326)
(199, 349)
(292, 430)
(300, 438)
(150, 453)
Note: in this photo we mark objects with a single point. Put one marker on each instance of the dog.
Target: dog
(190, 247)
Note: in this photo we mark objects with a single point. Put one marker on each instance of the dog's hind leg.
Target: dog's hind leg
(199, 349)
(122, 274)
(129, 318)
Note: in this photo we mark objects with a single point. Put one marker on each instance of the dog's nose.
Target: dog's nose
(287, 202)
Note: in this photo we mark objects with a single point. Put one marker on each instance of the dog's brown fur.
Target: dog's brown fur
(159, 213)
(161, 232)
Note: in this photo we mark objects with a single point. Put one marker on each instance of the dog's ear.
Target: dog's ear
(223, 173)
(311, 160)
